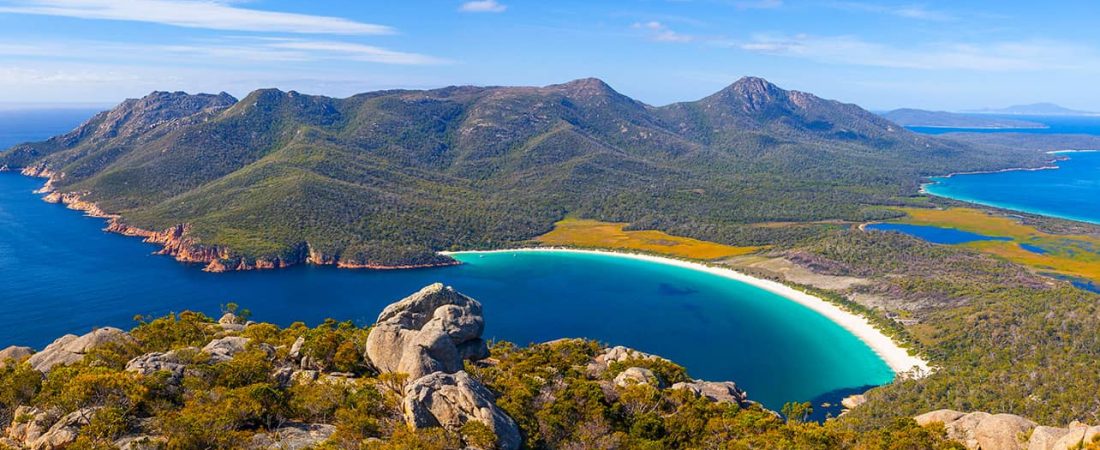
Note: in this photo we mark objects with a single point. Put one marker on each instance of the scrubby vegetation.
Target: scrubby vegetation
(545, 388)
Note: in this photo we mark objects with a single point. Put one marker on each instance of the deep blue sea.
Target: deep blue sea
(59, 273)
(1055, 125)
(1072, 191)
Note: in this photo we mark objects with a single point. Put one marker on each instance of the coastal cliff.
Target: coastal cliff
(177, 242)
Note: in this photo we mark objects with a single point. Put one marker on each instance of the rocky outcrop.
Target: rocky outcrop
(450, 400)
(14, 354)
(619, 354)
(984, 431)
(634, 376)
(293, 436)
(221, 350)
(718, 391)
(70, 349)
(433, 330)
(169, 362)
(35, 429)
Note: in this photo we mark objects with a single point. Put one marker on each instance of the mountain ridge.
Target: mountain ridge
(388, 178)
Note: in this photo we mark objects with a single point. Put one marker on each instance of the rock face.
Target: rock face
(14, 353)
(35, 431)
(724, 391)
(637, 376)
(451, 400)
(70, 349)
(151, 363)
(221, 350)
(430, 331)
(293, 436)
(984, 431)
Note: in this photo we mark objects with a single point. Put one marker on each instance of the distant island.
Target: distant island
(908, 117)
(1036, 109)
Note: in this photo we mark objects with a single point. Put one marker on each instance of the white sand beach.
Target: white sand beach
(898, 358)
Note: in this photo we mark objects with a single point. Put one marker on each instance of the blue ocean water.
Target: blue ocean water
(1055, 125)
(937, 235)
(60, 273)
(1072, 191)
(18, 126)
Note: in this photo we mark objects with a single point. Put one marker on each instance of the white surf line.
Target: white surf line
(896, 357)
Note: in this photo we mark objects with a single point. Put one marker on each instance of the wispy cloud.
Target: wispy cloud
(997, 56)
(223, 51)
(660, 32)
(918, 12)
(758, 4)
(489, 6)
(209, 14)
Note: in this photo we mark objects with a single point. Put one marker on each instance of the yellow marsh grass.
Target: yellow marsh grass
(1074, 255)
(596, 234)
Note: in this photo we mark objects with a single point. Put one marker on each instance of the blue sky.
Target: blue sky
(881, 55)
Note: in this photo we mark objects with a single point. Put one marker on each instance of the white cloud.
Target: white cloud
(998, 56)
(210, 14)
(358, 52)
(660, 32)
(490, 6)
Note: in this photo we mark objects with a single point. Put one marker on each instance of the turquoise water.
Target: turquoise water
(937, 235)
(1072, 191)
(60, 273)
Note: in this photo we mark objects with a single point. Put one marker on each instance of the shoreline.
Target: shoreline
(897, 358)
(1013, 208)
(174, 241)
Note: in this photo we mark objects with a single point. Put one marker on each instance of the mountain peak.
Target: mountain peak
(750, 85)
(586, 87)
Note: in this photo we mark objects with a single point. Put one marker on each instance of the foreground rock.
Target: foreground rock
(293, 436)
(433, 330)
(984, 431)
(170, 362)
(36, 430)
(451, 400)
(15, 354)
(70, 349)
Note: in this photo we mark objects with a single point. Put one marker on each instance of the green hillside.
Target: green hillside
(390, 177)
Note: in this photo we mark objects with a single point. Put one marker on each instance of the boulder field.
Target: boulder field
(985, 431)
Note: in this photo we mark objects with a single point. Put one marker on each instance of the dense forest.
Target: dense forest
(388, 178)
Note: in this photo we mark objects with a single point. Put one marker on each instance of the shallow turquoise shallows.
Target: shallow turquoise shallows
(62, 274)
(1072, 191)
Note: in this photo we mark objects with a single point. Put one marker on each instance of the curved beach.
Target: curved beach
(896, 357)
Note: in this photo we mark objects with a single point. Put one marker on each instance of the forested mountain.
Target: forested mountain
(390, 177)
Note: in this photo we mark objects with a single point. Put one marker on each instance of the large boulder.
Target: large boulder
(430, 331)
(14, 354)
(1003, 432)
(637, 376)
(293, 436)
(944, 416)
(70, 349)
(451, 400)
(603, 361)
(1043, 438)
(221, 350)
(717, 391)
(1076, 437)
